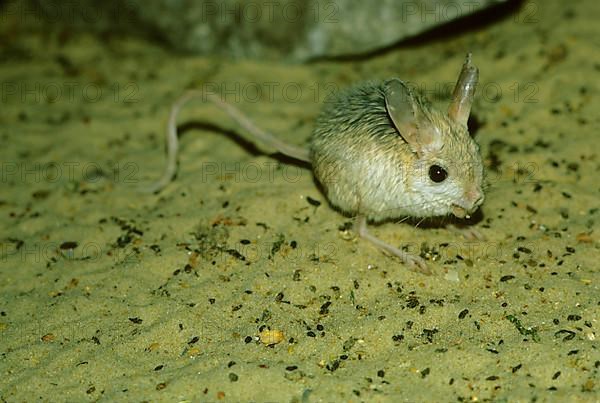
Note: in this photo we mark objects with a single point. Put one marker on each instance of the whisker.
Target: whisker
(402, 220)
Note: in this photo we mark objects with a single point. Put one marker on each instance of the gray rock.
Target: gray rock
(297, 30)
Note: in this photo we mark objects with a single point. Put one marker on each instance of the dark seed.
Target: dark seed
(68, 245)
(413, 302)
(334, 365)
(236, 254)
(325, 308)
(398, 337)
(312, 201)
(569, 335)
(40, 194)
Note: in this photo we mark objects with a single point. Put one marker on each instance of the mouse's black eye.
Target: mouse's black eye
(437, 173)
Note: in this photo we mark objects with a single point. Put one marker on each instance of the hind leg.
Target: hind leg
(414, 262)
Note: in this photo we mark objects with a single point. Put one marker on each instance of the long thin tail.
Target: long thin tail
(266, 138)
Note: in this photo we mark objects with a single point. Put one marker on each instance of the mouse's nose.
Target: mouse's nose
(472, 200)
(475, 197)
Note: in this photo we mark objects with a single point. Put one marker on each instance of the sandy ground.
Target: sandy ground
(109, 294)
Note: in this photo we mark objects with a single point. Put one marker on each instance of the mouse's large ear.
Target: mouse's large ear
(462, 97)
(405, 111)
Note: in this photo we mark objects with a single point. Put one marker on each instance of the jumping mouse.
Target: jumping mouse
(380, 152)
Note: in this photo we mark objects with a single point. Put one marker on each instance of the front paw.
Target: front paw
(470, 233)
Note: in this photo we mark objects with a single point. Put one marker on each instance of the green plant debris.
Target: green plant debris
(525, 331)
